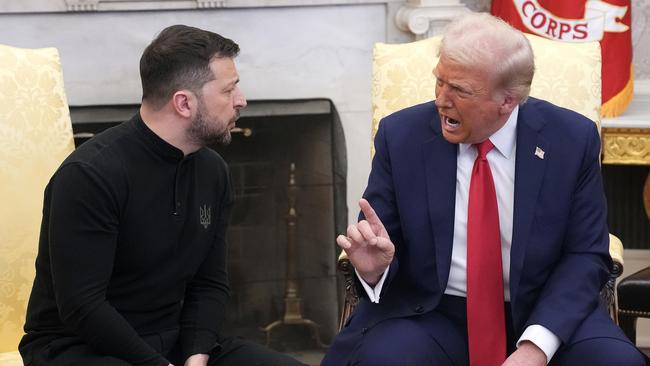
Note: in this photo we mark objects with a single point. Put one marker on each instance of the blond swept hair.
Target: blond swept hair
(482, 40)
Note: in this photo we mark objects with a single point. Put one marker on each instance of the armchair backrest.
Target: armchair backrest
(567, 74)
(35, 137)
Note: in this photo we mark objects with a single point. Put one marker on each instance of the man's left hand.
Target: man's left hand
(197, 360)
(527, 354)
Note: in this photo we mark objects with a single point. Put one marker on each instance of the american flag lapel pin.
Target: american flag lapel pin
(539, 152)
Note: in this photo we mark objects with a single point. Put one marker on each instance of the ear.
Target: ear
(508, 104)
(183, 103)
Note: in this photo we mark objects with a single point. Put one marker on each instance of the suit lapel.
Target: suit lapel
(439, 159)
(529, 172)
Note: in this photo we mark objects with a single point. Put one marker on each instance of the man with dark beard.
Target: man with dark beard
(131, 268)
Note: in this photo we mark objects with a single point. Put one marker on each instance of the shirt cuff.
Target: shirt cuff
(542, 338)
(373, 293)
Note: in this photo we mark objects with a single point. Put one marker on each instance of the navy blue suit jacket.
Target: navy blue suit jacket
(559, 255)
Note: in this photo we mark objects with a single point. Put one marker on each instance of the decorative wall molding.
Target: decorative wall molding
(82, 5)
(207, 4)
(426, 18)
(628, 146)
(626, 138)
(58, 6)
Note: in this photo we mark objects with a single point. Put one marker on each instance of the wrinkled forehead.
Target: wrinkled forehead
(478, 75)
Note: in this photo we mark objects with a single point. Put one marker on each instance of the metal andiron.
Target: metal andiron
(292, 301)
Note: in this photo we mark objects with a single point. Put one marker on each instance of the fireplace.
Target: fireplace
(271, 136)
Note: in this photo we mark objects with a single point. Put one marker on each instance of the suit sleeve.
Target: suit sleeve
(571, 292)
(380, 193)
(83, 238)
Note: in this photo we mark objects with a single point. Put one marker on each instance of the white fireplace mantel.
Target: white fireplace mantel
(426, 18)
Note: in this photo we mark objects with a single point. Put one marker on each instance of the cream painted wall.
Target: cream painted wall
(287, 53)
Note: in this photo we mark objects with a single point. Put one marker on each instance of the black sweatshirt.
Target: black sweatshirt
(132, 244)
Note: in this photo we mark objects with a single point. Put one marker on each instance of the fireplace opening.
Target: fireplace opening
(271, 136)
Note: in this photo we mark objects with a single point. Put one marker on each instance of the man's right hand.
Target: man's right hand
(368, 245)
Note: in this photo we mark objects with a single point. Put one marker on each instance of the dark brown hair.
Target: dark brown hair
(179, 58)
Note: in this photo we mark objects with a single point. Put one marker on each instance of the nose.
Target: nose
(240, 100)
(442, 99)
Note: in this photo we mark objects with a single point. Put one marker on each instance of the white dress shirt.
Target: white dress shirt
(502, 165)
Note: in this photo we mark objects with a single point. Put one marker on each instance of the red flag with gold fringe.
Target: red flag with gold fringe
(606, 21)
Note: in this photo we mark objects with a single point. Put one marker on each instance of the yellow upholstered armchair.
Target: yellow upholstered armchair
(567, 74)
(35, 137)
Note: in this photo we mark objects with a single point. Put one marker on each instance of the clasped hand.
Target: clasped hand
(368, 245)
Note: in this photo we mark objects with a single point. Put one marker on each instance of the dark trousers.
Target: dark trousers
(439, 338)
(234, 352)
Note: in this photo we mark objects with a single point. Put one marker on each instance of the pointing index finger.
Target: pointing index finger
(369, 213)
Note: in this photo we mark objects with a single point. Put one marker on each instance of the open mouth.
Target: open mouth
(450, 121)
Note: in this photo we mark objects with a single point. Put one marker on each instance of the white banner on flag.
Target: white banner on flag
(599, 17)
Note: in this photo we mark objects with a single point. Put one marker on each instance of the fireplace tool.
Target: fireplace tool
(292, 301)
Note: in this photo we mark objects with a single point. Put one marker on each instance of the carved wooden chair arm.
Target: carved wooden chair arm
(607, 293)
(351, 295)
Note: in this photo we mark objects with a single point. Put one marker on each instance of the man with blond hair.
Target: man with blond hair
(482, 237)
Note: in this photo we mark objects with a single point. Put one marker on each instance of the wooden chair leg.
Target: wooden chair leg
(628, 324)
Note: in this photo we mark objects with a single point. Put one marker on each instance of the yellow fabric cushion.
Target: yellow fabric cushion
(567, 74)
(35, 136)
(11, 359)
(402, 76)
(616, 249)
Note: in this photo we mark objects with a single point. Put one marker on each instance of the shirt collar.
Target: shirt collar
(504, 139)
(162, 147)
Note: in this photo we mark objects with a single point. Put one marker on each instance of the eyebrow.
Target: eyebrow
(231, 83)
(463, 88)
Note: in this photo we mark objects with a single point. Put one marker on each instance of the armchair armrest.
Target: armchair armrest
(351, 296)
(616, 252)
(607, 294)
(10, 359)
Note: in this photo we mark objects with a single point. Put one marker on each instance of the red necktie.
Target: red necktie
(485, 303)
